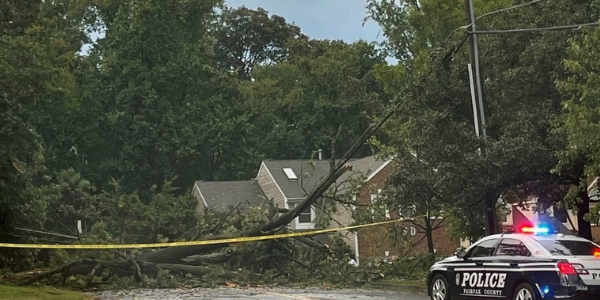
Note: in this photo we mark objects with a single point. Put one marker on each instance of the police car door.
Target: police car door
(503, 270)
(470, 277)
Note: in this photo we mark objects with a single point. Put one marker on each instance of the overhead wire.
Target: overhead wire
(375, 127)
(505, 9)
(507, 31)
(485, 15)
(535, 29)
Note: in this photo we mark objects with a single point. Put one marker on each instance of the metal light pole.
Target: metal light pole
(478, 109)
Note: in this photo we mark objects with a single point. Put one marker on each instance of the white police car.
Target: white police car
(534, 263)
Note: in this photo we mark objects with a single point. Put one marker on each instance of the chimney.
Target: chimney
(320, 154)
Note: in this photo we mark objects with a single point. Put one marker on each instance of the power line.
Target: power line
(538, 29)
(505, 9)
(485, 15)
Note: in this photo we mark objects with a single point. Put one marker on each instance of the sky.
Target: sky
(321, 19)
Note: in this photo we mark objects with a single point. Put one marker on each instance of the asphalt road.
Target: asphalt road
(258, 293)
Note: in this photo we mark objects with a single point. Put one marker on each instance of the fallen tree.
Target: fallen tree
(176, 254)
(204, 260)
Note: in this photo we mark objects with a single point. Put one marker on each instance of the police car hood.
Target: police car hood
(449, 260)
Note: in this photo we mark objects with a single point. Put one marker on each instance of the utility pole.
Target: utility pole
(478, 109)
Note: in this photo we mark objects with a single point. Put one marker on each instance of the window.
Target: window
(483, 249)
(378, 208)
(560, 214)
(290, 174)
(593, 193)
(512, 247)
(407, 212)
(304, 220)
(569, 247)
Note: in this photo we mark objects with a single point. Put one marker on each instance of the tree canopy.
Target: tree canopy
(110, 111)
(521, 100)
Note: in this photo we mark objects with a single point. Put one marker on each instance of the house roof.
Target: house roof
(313, 171)
(224, 195)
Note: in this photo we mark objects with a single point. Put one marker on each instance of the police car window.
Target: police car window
(568, 247)
(483, 249)
(512, 247)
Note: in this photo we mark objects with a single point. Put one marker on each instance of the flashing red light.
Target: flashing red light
(566, 268)
(597, 253)
(535, 230)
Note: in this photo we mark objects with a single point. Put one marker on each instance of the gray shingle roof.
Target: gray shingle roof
(313, 172)
(223, 195)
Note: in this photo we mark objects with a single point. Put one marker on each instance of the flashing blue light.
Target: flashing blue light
(536, 230)
(545, 290)
(543, 229)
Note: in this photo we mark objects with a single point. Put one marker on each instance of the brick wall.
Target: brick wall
(596, 233)
(373, 241)
(442, 243)
(397, 239)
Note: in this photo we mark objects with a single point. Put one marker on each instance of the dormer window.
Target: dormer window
(290, 174)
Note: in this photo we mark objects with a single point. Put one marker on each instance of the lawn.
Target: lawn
(39, 293)
(413, 286)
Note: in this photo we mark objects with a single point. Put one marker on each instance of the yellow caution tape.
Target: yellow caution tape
(194, 243)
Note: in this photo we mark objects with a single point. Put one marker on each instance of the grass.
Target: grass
(8, 292)
(412, 286)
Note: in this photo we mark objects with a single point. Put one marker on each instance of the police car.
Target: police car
(533, 263)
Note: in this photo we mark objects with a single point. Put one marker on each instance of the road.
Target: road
(258, 293)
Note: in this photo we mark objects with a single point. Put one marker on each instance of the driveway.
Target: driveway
(258, 293)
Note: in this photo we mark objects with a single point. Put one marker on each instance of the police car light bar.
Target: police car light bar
(535, 230)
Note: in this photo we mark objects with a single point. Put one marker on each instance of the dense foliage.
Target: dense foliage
(525, 153)
(110, 110)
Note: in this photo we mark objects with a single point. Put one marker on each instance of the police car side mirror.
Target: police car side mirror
(461, 253)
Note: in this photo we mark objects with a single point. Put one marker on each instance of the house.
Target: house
(288, 182)
(222, 196)
(528, 214)
(406, 237)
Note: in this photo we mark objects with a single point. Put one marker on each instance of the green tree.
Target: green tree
(415, 195)
(578, 122)
(38, 41)
(434, 116)
(158, 106)
(35, 70)
(68, 197)
(247, 38)
(320, 98)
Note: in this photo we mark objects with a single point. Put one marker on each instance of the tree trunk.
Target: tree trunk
(429, 234)
(583, 207)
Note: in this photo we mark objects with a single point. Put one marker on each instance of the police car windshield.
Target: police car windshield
(568, 247)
